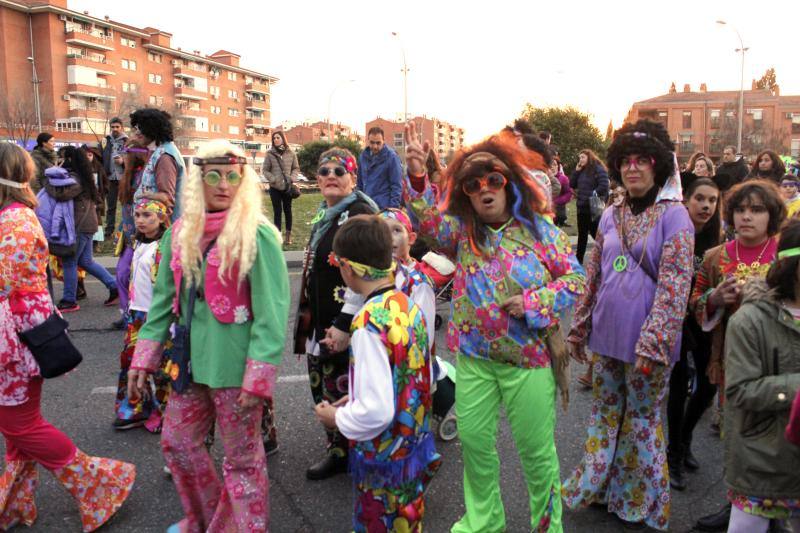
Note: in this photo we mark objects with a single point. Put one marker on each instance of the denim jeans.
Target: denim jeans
(83, 258)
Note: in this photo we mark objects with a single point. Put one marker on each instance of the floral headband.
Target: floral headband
(153, 206)
(399, 215)
(349, 162)
(366, 272)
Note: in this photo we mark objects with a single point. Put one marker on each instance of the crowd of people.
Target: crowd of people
(688, 298)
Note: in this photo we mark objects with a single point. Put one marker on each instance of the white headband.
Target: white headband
(15, 184)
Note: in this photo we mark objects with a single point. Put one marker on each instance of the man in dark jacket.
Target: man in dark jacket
(731, 171)
(113, 165)
(380, 171)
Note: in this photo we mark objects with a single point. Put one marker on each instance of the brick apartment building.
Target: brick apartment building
(444, 137)
(706, 120)
(300, 134)
(91, 69)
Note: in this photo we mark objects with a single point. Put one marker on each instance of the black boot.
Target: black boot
(689, 460)
(715, 522)
(328, 467)
(675, 464)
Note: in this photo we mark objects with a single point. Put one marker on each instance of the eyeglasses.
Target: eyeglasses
(494, 181)
(212, 178)
(640, 162)
(327, 171)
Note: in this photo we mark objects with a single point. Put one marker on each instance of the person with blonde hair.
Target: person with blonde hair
(99, 485)
(225, 297)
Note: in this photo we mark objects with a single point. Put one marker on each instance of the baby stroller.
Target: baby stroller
(444, 396)
(441, 271)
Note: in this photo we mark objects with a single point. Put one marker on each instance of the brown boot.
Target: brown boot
(99, 485)
(288, 239)
(17, 488)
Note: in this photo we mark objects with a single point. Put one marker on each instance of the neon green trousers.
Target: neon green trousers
(528, 396)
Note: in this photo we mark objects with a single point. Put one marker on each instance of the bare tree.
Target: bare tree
(121, 106)
(18, 115)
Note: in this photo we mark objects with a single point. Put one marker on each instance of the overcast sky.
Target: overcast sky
(476, 64)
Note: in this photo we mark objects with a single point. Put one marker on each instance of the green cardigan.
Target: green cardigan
(220, 351)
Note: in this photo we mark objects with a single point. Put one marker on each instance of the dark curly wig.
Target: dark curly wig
(525, 197)
(154, 124)
(645, 137)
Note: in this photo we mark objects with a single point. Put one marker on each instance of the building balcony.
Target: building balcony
(93, 91)
(260, 137)
(190, 92)
(89, 39)
(686, 148)
(183, 71)
(102, 66)
(252, 103)
(255, 122)
(89, 111)
(257, 87)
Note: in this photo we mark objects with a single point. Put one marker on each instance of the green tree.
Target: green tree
(572, 131)
(308, 155)
(768, 80)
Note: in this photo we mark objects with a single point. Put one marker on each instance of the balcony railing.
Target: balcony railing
(96, 91)
(183, 71)
(686, 148)
(257, 87)
(97, 63)
(90, 39)
(183, 91)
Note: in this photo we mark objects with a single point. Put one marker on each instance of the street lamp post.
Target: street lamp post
(742, 49)
(330, 99)
(35, 79)
(405, 76)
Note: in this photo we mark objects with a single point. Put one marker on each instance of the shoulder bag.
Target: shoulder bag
(51, 346)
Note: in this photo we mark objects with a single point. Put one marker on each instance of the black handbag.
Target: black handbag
(51, 347)
(294, 191)
(180, 355)
(63, 250)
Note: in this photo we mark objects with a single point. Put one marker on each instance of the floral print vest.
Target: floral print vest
(404, 451)
(229, 302)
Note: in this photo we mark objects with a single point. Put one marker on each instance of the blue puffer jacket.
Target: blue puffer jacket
(380, 176)
(586, 180)
(57, 218)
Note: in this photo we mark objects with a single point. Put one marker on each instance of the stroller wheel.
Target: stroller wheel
(448, 429)
(437, 322)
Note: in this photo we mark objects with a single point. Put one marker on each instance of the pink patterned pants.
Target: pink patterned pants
(240, 503)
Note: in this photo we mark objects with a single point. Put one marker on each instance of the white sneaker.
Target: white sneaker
(167, 471)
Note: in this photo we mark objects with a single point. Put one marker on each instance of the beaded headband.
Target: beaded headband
(399, 215)
(221, 160)
(349, 162)
(154, 206)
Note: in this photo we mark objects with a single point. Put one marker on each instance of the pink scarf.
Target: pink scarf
(214, 224)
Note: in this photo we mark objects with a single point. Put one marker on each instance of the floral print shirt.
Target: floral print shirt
(24, 300)
(544, 271)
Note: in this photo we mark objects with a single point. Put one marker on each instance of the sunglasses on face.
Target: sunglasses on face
(327, 171)
(212, 178)
(494, 181)
(639, 162)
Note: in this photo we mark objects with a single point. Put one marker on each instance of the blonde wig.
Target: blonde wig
(237, 240)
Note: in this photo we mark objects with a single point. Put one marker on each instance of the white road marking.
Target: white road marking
(299, 378)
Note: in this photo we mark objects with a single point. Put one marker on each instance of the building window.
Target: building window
(154, 78)
(156, 100)
(129, 87)
(216, 110)
(231, 76)
(154, 57)
(758, 115)
(70, 126)
(714, 121)
(128, 64)
(687, 120)
(214, 91)
(233, 130)
(215, 128)
(796, 123)
(795, 147)
(127, 41)
(233, 94)
(233, 112)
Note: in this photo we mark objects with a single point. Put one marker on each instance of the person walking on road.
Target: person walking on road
(281, 170)
(225, 299)
(99, 485)
(590, 177)
(114, 166)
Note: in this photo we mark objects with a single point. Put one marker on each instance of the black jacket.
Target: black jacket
(586, 180)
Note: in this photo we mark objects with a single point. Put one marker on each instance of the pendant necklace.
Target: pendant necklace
(754, 269)
(621, 261)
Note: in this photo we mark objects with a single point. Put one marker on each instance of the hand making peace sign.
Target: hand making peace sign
(416, 151)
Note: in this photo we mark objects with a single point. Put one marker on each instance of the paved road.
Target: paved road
(82, 405)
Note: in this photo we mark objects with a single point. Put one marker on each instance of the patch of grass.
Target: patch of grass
(303, 210)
